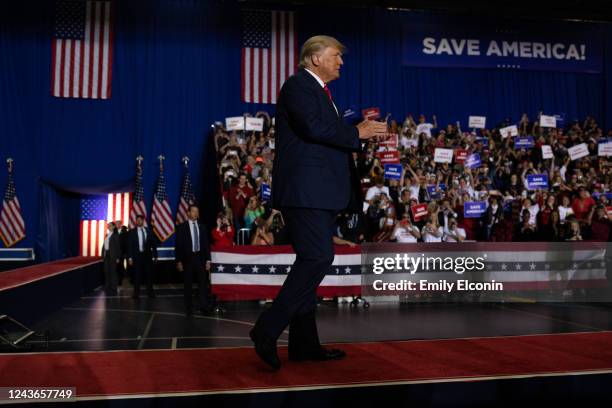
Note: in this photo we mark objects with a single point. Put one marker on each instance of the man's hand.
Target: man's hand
(130, 262)
(208, 266)
(179, 266)
(371, 128)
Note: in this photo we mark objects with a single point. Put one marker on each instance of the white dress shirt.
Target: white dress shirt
(142, 237)
(107, 241)
(322, 85)
(193, 227)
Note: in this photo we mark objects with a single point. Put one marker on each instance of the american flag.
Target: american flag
(269, 53)
(82, 50)
(12, 226)
(138, 204)
(187, 197)
(96, 212)
(161, 215)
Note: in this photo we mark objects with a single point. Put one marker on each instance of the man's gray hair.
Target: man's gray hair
(317, 44)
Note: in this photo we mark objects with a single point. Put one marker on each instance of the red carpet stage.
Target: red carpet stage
(130, 374)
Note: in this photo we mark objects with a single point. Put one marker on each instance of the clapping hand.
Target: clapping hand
(371, 128)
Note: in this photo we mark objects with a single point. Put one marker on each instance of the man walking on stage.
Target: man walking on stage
(312, 183)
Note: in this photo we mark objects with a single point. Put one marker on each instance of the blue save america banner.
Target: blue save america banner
(573, 47)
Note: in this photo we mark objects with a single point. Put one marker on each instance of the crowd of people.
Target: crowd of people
(425, 203)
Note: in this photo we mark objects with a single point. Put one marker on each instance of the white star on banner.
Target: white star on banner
(255, 269)
(238, 268)
(272, 269)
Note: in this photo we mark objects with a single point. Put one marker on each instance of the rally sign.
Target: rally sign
(433, 192)
(460, 155)
(578, 151)
(419, 211)
(548, 121)
(473, 161)
(508, 131)
(477, 122)
(442, 155)
(391, 156)
(266, 192)
(371, 113)
(524, 142)
(474, 209)
(547, 152)
(537, 181)
(391, 140)
(234, 123)
(393, 171)
(604, 149)
(255, 124)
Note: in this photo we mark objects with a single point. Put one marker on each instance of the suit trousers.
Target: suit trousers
(110, 275)
(193, 271)
(311, 236)
(143, 269)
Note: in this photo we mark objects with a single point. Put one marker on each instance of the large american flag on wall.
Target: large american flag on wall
(96, 212)
(82, 50)
(269, 53)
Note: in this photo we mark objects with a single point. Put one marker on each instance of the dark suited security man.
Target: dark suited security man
(312, 183)
(111, 254)
(192, 253)
(142, 252)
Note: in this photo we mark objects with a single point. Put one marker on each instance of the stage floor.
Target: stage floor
(96, 322)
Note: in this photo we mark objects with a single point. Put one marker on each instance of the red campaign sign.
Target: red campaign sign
(461, 155)
(419, 211)
(391, 140)
(371, 113)
(390, 157)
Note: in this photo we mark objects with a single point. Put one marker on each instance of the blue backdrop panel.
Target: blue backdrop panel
(176, 69)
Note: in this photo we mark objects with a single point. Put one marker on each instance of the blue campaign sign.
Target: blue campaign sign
(560, 117)
(439, 42)
(524, 142)
(393, 171)
(474, 209)
(433, 194)
(537, 181)
(483, 140)
(472, 161)
(266, 192)
(350, 113)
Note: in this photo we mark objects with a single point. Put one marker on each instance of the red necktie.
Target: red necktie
(326, 89)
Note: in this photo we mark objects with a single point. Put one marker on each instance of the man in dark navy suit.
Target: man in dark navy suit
(311, 184)
(192, 253)
(142, 252)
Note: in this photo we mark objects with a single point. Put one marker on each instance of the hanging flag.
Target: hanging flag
(82, 50)
(12, 226)
(187, 195)
(161, 214)
(96, 212)
(269, 53)
(138, 204)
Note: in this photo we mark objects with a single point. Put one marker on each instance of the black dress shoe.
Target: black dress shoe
(320, 354)
(265, 348)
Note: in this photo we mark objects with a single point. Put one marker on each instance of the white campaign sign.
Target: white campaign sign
(443, 155)
(234, 123)
(548, 121)
(578, 151)
(477, 122)
(604, 149)
(547, 152)
(513, 130)
(254, 124)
